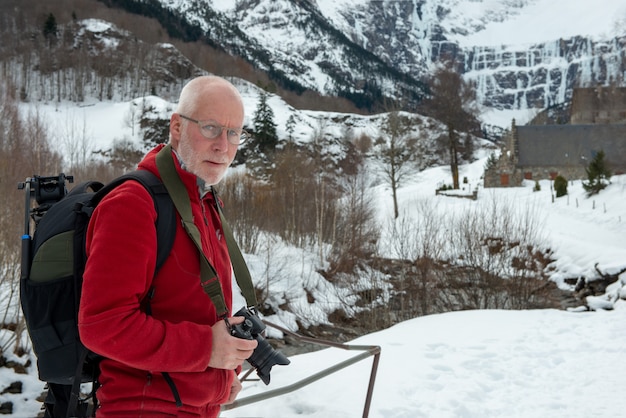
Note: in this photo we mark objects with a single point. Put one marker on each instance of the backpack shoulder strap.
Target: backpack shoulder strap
(166, 232)
(84, 187)
(166, 214)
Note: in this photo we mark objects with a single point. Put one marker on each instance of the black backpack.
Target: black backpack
(53, 262)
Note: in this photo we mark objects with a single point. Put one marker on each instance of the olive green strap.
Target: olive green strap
(208, 276)
(242, 274)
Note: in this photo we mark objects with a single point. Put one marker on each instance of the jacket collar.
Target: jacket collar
(195, 185)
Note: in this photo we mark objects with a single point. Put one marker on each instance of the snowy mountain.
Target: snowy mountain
(521, 54)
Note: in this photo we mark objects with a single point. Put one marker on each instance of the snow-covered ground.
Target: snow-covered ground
(481, 364)
(542, 363)
(473, 364)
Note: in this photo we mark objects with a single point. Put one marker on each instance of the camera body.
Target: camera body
(264, 356)
(250, 328)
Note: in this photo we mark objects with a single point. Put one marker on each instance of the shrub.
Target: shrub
(598, 174)
(560, 186)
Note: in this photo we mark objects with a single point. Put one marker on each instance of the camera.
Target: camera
(264, 356)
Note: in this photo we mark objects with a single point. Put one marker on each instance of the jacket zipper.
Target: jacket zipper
(203, 205)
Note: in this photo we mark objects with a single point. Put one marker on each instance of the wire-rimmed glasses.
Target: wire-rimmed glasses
(210, 129)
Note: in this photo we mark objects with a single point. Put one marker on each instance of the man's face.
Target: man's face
(208, 158)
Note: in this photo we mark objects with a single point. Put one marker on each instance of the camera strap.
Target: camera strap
(242, 274)
(208, 276)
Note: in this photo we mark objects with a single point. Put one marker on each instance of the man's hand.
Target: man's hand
(229, 352)
(235, 388)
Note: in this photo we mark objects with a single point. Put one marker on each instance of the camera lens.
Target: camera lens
(264, 357)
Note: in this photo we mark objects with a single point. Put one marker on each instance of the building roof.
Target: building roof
(571, 145)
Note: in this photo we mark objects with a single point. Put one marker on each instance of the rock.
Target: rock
(6, 408)
(15, 387)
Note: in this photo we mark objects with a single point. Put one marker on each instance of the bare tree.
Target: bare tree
(396, 150)
(76, 141)
(324, 190)
(356, 232)
(292, 179)
(418, 242)
(500, 257)
(131, 118)
(493, 255)
(244, 198)
(452, 102)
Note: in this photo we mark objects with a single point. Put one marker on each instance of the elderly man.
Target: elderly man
(179, 358)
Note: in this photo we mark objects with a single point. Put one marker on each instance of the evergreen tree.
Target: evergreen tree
(50, 27)
(598, 174)
(265, 138)
(492, 162)
(560, 186)
(291, 126)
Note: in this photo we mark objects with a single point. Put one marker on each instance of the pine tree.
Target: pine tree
(492, 162)
(265, 137)
(50, 27)
(291, 126)
(598, 174)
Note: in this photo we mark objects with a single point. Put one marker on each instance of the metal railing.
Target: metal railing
(368, 350)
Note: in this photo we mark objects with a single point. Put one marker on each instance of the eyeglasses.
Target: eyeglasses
(210, 129)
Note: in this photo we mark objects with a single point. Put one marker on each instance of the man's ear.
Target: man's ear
(175, 129)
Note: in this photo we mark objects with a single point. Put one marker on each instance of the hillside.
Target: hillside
(356, 55)
(521, 55)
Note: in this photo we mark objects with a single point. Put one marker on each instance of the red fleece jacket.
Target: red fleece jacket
(177, 337)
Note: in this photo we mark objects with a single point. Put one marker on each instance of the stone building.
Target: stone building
(536, 152)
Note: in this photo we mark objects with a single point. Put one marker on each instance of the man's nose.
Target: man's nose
(221, 142)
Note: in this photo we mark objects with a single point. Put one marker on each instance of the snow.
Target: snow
(222, 5)
(549, 20)
(543, 363)
(508, 22)
(97, 25)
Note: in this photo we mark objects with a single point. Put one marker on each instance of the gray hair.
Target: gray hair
(196, 88)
